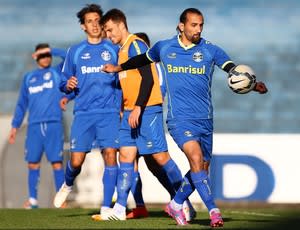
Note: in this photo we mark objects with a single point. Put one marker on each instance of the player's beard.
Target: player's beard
(196, 39)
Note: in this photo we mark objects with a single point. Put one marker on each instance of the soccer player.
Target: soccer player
(189, 62)
(142, 122)
(154, 167)
(97, 104)
(40, 95)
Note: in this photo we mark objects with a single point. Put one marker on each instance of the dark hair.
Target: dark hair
(144, 36)
(89, 8)
(41, 46)
(115, 15)
(183, 15)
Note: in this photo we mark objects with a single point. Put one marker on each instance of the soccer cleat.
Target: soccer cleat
(178, 216)
(108, 214)
(138, 212)
(96, 217)
(188, 210)
(61, 196)
(28, 205)
(216, 219)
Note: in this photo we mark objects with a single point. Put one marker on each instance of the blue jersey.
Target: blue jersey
(188, 76)
(40, 94)
(96, 91)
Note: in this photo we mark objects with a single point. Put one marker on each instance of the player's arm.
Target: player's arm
(133, 63)
(143, 96)
(69, 81)
(146, 85)
(259, 87)
(20, 111)
(56, 52)
(136, 48)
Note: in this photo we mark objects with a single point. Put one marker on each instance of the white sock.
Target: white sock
(33, 201)
(69, 188)
(119, 209)
(103, 209)
(175, 205)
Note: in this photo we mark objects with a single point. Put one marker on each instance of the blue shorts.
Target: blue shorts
(100, 127)
(149, 137)
(196, 130)
(45, 137)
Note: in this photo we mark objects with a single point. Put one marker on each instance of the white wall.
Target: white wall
(278, 151)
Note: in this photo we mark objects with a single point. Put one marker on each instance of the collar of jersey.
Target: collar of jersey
(183, 46)
(127, 40)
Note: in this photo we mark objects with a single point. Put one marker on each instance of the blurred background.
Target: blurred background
(264, 34)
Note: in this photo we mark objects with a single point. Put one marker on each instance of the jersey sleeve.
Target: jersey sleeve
(137, 47)
(69, 67)
(221, 58)
(59, 53)
(67, 71)
(21, 106)
(153, 52)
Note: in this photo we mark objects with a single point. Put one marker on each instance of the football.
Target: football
(241, 79)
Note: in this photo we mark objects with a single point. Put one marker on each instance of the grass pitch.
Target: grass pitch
(287, 218)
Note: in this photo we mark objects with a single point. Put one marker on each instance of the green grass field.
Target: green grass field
(254, 218)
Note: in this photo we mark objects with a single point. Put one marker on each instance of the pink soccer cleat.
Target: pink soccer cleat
(178, 216)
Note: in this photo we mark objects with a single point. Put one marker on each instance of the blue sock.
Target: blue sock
(59, 177)
(185, 190)
(33, 180)
(136, 189)
(173, 173)
(71, 174)
(124, 182)
(109, 181)
(202, 184)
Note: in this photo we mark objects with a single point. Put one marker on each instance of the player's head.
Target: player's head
(144, 36)
(115, 25)
(190, 25)
(42, 55)
(89, 19)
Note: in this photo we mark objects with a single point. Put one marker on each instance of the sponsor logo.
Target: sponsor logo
(73, 143)
(32, 80)
(86, 56)
(106, 55)
(188, 133)
(197, 56)
(91, 69)
(40, 88)
(171, 55)
(185, 69)
(234, 82)
(149, 144)
(122, 75)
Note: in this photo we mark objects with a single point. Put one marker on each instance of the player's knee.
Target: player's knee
(33, 165)
(196, 162)
(76, 162)
(162, 158)
(109, 157)
(57, 165)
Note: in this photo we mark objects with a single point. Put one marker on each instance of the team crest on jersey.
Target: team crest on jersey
(197, 56)
(105, 55)
(47, 76)
(172, 55)
(85, 56)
